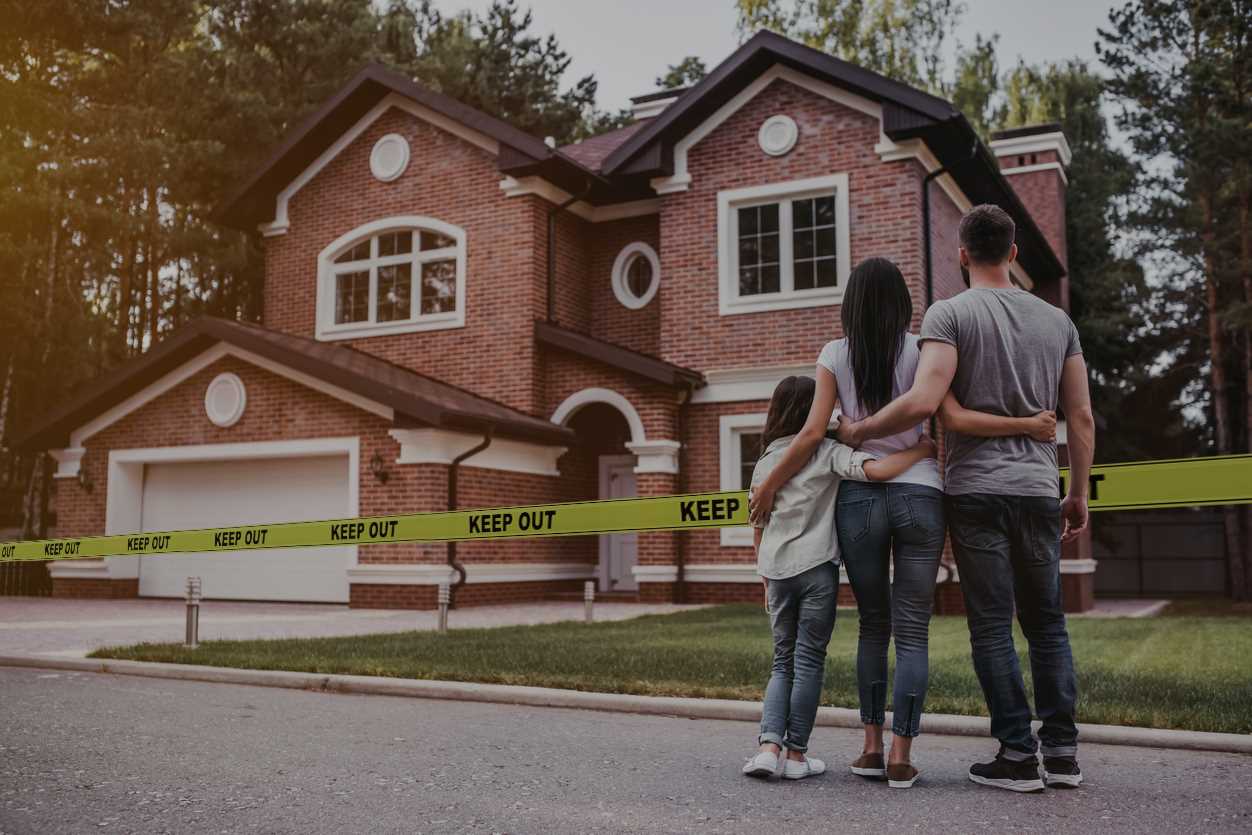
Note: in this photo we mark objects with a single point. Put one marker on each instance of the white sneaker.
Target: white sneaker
(765, 764)
(799, 769)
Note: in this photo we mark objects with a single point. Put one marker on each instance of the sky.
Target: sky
(626, 45)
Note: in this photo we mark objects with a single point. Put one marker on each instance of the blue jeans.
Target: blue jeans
(802, 615)
(878, 523)
(1008, 552)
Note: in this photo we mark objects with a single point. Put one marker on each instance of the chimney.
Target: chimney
(651, 104)
(1033, 160)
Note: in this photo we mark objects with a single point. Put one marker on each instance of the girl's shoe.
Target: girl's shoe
(901, 776)
(765, 764)
(869, 765)
(799, 769)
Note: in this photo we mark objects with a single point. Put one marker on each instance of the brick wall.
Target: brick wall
(613, 321)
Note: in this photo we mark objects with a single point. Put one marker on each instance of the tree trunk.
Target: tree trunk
(154, 293)
(1221, 404)
(124, 295)
(1245, 275)
(50, 283)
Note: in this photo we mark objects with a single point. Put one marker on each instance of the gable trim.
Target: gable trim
(69, 467)
(281, 222)
(680, 180)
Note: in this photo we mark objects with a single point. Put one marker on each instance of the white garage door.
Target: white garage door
(222, 493)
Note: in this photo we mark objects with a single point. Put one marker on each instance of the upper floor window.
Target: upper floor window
(784, 245)
(392, 276)
(636, 275)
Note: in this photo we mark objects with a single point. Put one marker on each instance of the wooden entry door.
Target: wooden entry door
(618, 551)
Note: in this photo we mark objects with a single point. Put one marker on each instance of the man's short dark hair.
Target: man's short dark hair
(987, 233)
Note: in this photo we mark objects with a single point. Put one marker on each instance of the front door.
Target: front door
(617, 550)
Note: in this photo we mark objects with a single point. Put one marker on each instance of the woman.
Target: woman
(901, 519)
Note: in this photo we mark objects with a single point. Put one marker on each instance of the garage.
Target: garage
(207, 494)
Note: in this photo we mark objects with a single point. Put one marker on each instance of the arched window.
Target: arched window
(393, 275)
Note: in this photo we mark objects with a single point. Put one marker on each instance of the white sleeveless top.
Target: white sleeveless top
(836, 359)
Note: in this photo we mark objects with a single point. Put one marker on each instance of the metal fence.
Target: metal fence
(1160, 553)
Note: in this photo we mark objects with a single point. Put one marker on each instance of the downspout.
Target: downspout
(453, 470)
(680, 555)
(552, 213)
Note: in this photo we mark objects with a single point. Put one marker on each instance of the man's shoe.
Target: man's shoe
(799, 769)
(1008, 774)
(901, 776)
(869, 765)
(1062, 772)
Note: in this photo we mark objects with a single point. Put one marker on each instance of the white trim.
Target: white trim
(731, 385)
(327, 270)
(226, 378)
(729, 302)
(384, 175)
(97, 569)
(1033, 143)
(441, 446)
(623, 260)
(790, 133)
(731, 572)
(518, 187)
(204, 360)
(1084, 566)
(680, 180)
(576, 401)
(123, 511)
(648, 109)
(426, 574)
(728, 426)
(1042, 166)
(889, 151)
(655, 456)
(69, 461)
(655, 573)
(281, 222)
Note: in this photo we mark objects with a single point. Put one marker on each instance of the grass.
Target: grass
(1178, 672)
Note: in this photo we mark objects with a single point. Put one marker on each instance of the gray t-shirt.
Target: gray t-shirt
(1011, 346)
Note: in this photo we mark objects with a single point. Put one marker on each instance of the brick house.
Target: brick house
(608, 318)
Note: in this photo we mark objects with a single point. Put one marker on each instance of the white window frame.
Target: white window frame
(328, 270)
(730, 427)
(730, 201)
(624, 260)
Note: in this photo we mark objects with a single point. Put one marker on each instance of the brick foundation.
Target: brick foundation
(1078, 592)
(81, 588)
(387, 596)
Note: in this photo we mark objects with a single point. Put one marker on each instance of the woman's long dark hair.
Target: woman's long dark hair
(876, 312)
(788, 409)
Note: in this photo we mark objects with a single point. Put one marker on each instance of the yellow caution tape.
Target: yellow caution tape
(1187, 482)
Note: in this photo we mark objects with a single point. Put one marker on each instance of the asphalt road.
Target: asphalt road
(84, 752)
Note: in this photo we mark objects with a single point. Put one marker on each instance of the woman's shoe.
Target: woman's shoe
(765, 765)
(869, 765)
(901, 776)
(799, 769)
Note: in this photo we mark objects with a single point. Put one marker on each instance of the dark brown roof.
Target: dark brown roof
(416, 398)
(633, 362)
(1027, 130)
(591, 151)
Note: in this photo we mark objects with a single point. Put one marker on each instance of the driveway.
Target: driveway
(73, 628)
(84, 752)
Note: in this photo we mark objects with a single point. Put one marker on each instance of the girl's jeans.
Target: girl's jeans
(876, 522)
(802, 615)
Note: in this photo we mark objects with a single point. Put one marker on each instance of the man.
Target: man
(1002, 350)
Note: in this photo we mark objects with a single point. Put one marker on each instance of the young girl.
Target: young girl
(797, 558)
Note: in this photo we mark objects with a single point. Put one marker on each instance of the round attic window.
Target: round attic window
(224, 400)
(389, 158)
(778, 135)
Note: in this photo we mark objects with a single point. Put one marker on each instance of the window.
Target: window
(783, 246)
(740, 447)
(636, 275)
(392, 276)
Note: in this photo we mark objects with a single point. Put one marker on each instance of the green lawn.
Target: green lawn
(1176, 672)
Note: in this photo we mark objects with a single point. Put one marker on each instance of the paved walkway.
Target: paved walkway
(73, 628)
(85, 752)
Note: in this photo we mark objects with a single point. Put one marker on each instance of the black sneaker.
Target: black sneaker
(1008, 774)
(1062, 772)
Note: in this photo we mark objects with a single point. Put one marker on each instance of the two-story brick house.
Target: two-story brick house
(608, 318)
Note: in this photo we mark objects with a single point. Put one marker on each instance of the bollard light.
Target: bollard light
(194, 593)
(589, 599)
(445, 598)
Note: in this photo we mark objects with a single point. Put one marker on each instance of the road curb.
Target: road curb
(835, 717)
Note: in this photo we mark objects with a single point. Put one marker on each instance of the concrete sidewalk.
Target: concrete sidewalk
(72, 628)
